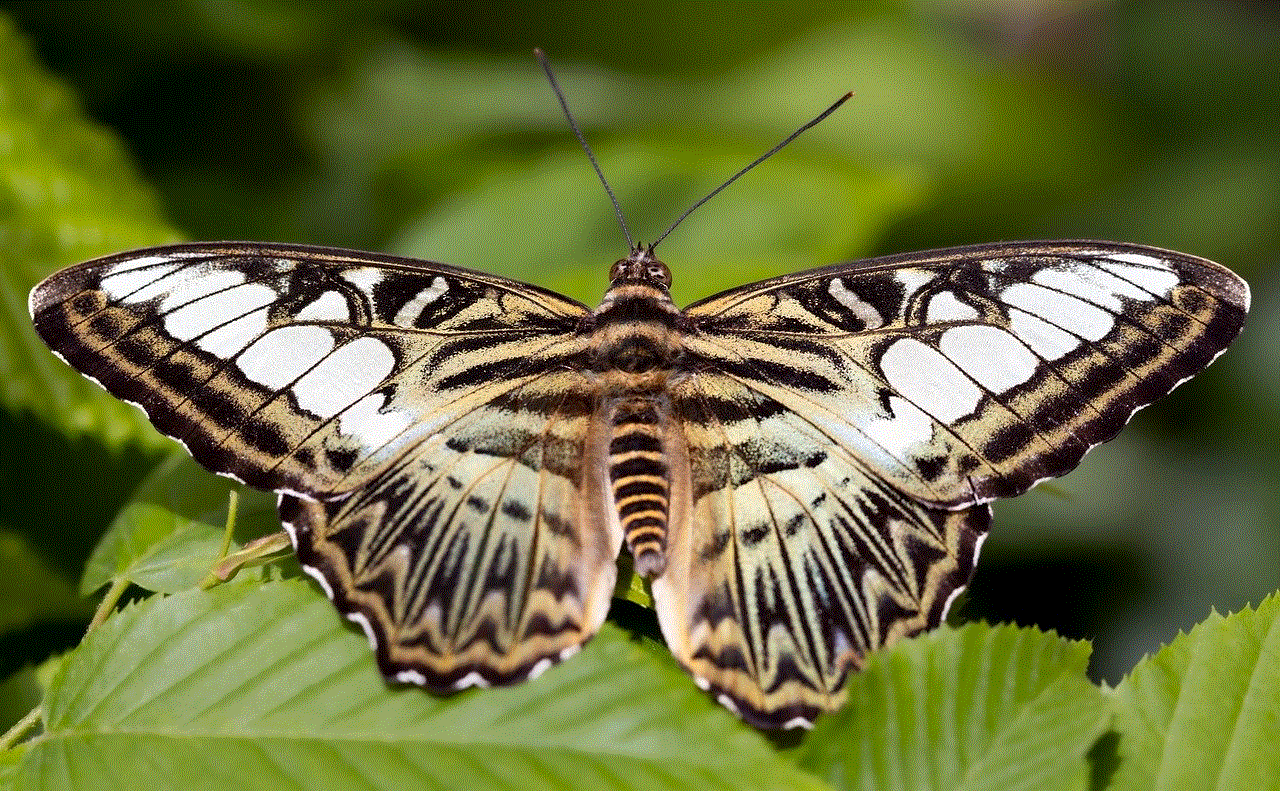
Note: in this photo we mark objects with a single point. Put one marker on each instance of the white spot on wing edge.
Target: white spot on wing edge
(951, 598)
(539, 667)
(314, 573)
(472, 679)
(569, 651)
(798, 722)
(411, 677)
(729, 703)
(231, 475)
(358, 617)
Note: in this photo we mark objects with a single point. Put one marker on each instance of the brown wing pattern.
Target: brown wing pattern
(432, 449)
(825, 443)
(789, 559)
(975, 371)
(842, 428)
(487, 553)
(294, 368)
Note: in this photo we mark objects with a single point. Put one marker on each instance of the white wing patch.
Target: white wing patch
(231, 338)
(946, 306)
(994, 358)
(1045, 339)
(860, 308)
(364, 278)
(278, 358)
(203, 315)
(904, 429)
(344, 376)
(369, 425)
(1155, 280)
(925, 377)
(329, 306)
(407, 315)
(1062, 310)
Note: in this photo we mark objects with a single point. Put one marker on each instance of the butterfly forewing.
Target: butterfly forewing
(975, 372)
(293, 368)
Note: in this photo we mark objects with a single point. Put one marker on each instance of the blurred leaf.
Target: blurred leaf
(168, 537)
(31, 590)
(9, 762)
(19, 693)
(250, 686)
(1204, 712)
(67, 193)
(558, 229)
(980, 707)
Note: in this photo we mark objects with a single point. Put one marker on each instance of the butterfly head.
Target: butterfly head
(641, 266)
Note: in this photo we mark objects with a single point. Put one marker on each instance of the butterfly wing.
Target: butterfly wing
(843, 427)
(417, 419)
(790, 558)
(974, 373)
(295, 368)
(484, 555)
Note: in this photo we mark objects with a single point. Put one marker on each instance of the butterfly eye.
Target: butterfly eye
(659, 273)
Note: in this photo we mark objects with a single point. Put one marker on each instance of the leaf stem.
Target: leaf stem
(19, 729)
(233, 504)
(108, 603)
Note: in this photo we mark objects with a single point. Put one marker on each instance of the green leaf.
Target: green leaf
(169, 536)
(31, 590)
(260, 686)
(9, 761)
(68, 193)
(1204, 712)
(19, 693)
(981, 707)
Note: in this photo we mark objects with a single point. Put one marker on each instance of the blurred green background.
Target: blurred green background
(428, 130)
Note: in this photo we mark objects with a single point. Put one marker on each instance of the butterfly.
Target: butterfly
(800, 466)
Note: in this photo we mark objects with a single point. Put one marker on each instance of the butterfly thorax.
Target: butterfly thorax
(637, 328)
(636, 340)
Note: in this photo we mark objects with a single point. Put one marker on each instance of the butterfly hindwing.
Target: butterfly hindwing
(486, 553)
(790, 560)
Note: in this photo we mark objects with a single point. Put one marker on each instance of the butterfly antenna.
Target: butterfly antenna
(573, 124)
(757, 161)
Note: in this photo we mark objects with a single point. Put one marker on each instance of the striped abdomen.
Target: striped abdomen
(641, 484)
